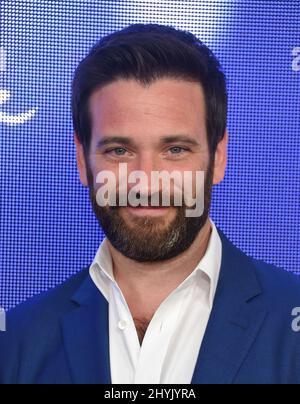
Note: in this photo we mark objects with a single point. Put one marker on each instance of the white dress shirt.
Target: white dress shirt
(171, 345)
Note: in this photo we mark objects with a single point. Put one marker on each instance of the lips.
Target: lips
(148, 210)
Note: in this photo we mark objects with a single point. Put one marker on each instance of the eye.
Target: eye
(118, 151)
(177, 150)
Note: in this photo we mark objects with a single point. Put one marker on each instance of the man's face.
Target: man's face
(154, 128)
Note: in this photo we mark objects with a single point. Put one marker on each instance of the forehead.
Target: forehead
(166, 102)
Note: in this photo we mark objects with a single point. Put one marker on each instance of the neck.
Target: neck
(146, 285)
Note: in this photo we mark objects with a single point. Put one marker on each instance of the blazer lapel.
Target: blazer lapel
(237, 316)
(86, 336)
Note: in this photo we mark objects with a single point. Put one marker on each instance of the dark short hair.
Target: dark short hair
(147, 52)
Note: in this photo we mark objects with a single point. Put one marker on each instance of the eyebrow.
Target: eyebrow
(163, 140)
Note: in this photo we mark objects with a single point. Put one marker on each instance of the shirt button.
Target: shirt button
(122, 324)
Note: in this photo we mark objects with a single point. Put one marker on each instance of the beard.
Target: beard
(151, 239)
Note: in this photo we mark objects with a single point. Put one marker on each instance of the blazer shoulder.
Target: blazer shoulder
(35, 323)
(46, 305)
(278, 284)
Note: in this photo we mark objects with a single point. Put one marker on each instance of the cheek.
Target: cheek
(194, 179)
(98, 164)
(93, 169)
(103, 173)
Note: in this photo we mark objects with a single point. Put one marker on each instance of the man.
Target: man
(168, 298)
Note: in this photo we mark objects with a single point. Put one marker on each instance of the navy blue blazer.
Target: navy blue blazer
(61, 337)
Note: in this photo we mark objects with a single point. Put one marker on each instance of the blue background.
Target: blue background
(48, 231)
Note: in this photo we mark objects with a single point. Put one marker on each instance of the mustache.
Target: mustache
(155, 200)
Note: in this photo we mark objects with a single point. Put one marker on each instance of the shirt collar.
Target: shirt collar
(101, 270)
(210, 263)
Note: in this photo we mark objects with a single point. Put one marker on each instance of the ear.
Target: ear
(220, 159)
(81, 164)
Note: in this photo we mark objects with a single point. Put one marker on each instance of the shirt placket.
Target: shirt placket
(156, 341)
(124, 328)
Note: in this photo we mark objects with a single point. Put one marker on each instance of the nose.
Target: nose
(144, 165)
